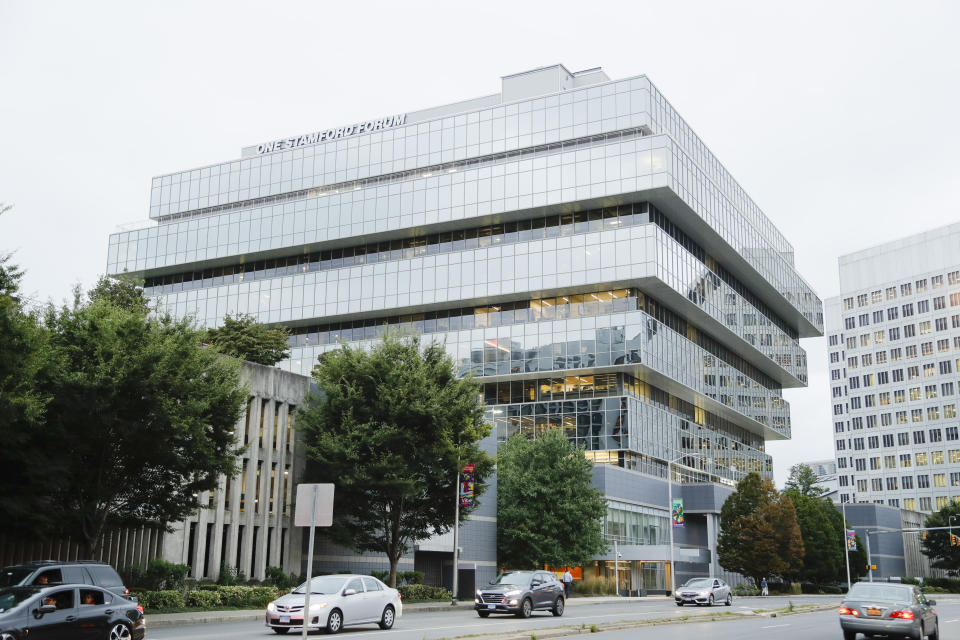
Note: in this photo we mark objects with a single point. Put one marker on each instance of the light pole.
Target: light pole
(950, 522)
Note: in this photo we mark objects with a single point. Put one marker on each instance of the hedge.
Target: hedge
(167, 599)
(203, 599)
(423, 592)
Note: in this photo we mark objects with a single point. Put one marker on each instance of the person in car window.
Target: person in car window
(50, 600)
(89, 598)
(42, 579)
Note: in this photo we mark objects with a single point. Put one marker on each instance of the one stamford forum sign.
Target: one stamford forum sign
(331, 134)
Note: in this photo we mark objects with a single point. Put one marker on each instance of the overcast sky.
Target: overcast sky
(839, 118)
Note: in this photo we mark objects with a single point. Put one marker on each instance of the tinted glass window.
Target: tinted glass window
(13, 576)
(60, 599)
(372, 584)
(93, 597)
(355, 584)
(104, 575)
(513, 577)
(881, 591)
(10, 598)
(50, 576)
(72, 575)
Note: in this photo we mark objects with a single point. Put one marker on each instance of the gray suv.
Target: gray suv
(51, 572)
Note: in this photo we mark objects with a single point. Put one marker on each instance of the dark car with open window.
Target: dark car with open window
(68, 612)
(521, 593)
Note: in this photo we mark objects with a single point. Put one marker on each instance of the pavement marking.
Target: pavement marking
(948, 621)
(775, 626)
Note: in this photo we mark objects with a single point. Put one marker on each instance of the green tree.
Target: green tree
(802, 481)
(122, 293)
(392, 429)
(759, 534)
(141, 417)
(937, 546)
(28, 470)
(245, 338)
(548, 512)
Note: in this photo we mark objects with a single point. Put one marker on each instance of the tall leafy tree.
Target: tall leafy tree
(548, 512)
(759, 533)
(937, 545)
(141, 416)
(26, 454)
(392, 428)
(803, 481)
(245, 338)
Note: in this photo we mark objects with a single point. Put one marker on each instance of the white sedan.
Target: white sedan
(336, 601)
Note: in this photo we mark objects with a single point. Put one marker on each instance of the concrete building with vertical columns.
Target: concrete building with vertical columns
(246, 522)
(573, 243)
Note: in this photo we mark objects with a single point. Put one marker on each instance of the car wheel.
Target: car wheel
(679, 604)
(935, 635)
(849, 635)
(526, 609)
(280, 631)
(559, 605)
(334, 621)
(119, 631)
(387, 618)
(483, 614)
(710, 602)
(729, 600)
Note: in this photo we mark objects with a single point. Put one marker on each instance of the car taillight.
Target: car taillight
(126, 591)
(140, 608)
(399, 596)
(906, 614)
(845, 611)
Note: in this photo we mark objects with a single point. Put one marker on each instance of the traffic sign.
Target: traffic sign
(314, 505)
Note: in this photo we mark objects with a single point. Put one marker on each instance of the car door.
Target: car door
(717, 591)
(353, 605)
(94, 611)
(376, 598)
(543, 594)
(61, 624)
(928, 612)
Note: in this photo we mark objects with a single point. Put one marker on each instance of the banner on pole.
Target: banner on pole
(851, 540)
(467, 486)
(676, 513)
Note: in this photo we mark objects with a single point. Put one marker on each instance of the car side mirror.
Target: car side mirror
(931, 602)
(535, 583)
(47, 608)
(350, 592)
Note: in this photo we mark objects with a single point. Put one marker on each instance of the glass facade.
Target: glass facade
(582, 253)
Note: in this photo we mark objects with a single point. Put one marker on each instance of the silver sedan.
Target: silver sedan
(336, 601)
(706, 591)
(898, 610)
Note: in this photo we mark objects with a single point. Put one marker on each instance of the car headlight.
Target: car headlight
(479, 593)
(704, 593)
(515, 592)
(271, 607)
(319, 605)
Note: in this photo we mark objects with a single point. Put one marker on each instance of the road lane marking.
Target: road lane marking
(775, 626)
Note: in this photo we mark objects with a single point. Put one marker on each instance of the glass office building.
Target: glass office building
(572, 242)
(894, 358)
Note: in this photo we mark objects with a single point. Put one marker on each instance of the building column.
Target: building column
(263, 518)
(249, 488)
(280, 485)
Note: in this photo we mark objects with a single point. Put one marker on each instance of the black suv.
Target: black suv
(50, 572)
(521, 593)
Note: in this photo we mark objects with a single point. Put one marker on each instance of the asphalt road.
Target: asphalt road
(435, 625)
(821, 625)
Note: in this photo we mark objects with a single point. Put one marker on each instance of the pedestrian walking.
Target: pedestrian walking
(763, 587)
(567, 581)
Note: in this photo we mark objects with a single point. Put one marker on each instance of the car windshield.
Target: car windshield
(323, 584)
(513, 577)
(879, 591)
(11, 598)
(699, 582)
(12, 576)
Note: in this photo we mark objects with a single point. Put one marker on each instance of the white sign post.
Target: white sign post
(314, 508)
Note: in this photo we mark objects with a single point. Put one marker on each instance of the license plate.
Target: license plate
(285, 619)
(491, 606)
(874, 612)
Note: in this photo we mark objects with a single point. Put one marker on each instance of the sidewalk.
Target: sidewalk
(157, 620)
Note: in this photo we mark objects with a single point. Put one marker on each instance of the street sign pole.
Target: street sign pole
(866, 535)
(846, 545)
(456, 536)
(306, 599)
(318, 514)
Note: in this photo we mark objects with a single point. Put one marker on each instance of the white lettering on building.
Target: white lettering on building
(331, 134)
